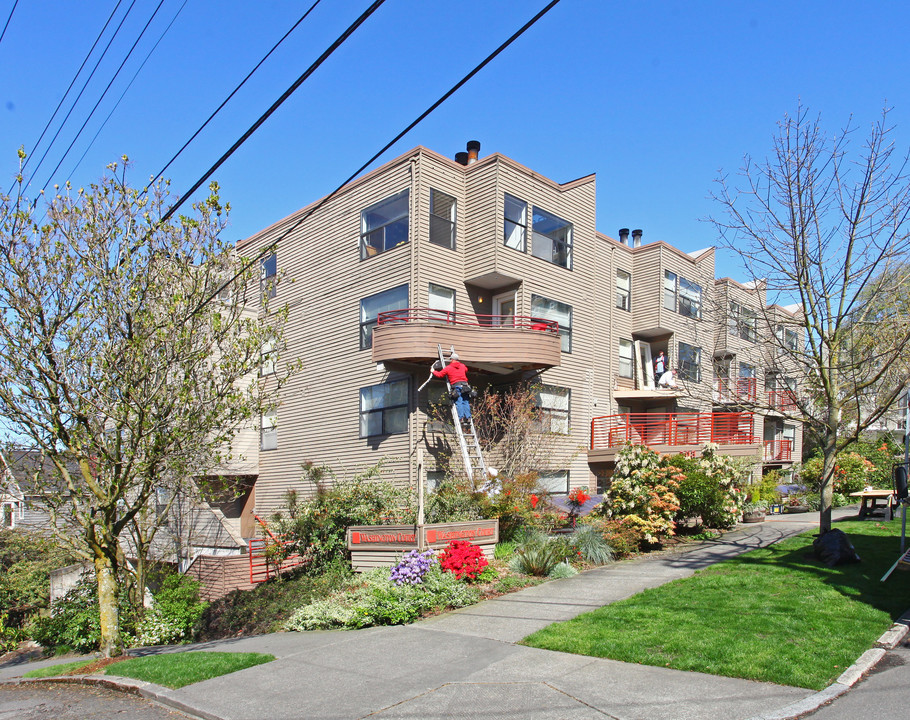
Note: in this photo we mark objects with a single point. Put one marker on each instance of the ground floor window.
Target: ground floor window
(554, 481)
(553, 409)
(384, 409)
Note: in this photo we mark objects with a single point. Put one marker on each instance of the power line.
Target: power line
(103, 94)
(72, 82)
(85, 84)
(265, 116)
(273, 246)
(2, 34)
(129, 85)
(233, 92)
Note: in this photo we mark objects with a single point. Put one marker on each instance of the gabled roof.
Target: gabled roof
(20, 468)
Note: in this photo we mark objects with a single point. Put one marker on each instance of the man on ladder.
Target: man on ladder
(456, 372)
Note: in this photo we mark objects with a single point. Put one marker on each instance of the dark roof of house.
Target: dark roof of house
(32, 471)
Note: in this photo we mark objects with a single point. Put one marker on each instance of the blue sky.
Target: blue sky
(656, 98)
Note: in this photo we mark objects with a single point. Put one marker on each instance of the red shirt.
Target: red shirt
(456, 372)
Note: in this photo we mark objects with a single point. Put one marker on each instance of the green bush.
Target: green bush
(175, 615)
(852, 473)
(562, 570)
(589, 544)
(74, 622)
(379, 601)
(539, 554)
(26, 561)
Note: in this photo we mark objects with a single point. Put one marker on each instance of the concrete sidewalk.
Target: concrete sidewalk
(464, 664)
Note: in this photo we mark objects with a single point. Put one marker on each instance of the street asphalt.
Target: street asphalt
(465, 664)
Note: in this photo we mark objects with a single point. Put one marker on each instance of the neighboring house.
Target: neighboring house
(21, 494)
(505, 265)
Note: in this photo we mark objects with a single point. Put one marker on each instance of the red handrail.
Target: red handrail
(449, 317)
(782, 399)
(742, 388)
(262, 568)
(780, 449)
(673, 429)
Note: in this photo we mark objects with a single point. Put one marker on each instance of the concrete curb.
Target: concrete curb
(146, 690)
(848, 678)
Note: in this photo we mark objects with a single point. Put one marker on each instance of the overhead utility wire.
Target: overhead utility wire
(103, 94)
(272, 246)
(6, 25)
(265, 116)
(72, 82)
(233, 92)
(84, 87)
(129, 85)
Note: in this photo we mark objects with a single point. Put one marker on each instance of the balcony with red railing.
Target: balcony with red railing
(782, 400)
(672, 432)
(743, 389)
(512, 342)
(778, 450)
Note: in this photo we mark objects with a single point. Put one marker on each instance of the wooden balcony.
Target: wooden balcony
(497, 343)
(673, 433)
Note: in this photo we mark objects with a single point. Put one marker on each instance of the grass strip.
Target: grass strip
(59, 669)
(775, 614)
(174, 670)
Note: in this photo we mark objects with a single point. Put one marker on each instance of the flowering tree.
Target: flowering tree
(117, 362)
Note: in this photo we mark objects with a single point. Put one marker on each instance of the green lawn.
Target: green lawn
(59, 669)
(175, 670)
(775, 614)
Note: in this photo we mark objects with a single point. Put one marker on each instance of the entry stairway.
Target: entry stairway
(471, 454)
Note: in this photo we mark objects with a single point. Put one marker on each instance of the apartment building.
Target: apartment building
(489, 257)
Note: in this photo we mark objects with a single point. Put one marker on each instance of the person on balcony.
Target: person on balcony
(456, 372)
(660, 364)
(667, 381)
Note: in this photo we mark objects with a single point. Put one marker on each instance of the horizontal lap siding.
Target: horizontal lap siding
(323, 284)
(483, 218)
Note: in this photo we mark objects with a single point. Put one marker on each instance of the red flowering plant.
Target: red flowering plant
(577, 497)
(463, 559)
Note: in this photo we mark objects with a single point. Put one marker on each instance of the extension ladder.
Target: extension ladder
(471, 454)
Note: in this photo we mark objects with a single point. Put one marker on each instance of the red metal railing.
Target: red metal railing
(673, 429)
(783, 400)
(266, 553)
(448, 317)
(738, 389)
(780, 449)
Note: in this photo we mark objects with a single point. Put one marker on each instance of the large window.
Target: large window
(546, 309)
(267, 357)
(516, 222)
(268, 437)
(554, 481)
(625, 358)
(623, 290)
(442, 304)
(681, 295)
(689, 362)
(384, 409)
(370, 307)
(747, 383)
(384, 225)
(743, 322)
(551, 238)
(553, 409)
(442, 219)
(268, 272)
(787, 339)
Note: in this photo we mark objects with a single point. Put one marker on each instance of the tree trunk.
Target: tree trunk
(109, 605)
(826, 491)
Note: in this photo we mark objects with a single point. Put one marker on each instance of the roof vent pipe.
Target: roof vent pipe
(473, 151)
(624, 236)
(461, 158)
(636, 238)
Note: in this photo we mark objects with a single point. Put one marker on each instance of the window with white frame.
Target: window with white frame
(267, 355)
(623, 290)
(384, 409)
(551, 238)
(554, 481)
(626, 358)
(268, 273)
(747, 382)
(689, 298)
(516, 222)
(743, 322)
(442, 219)
(669, 290)
(546, 309)
(370, 307)
(384, 225)
(689, 362)
(441, 304)
(787, 339)
(553, 408)
(269, 431)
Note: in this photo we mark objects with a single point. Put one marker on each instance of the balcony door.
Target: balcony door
(504, 309)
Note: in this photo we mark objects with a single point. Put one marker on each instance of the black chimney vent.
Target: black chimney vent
(461, 158)
(624, 236)
(636, 238)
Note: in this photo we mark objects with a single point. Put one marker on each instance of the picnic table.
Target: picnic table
(874, 495)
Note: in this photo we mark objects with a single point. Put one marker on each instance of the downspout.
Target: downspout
(413, 435)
